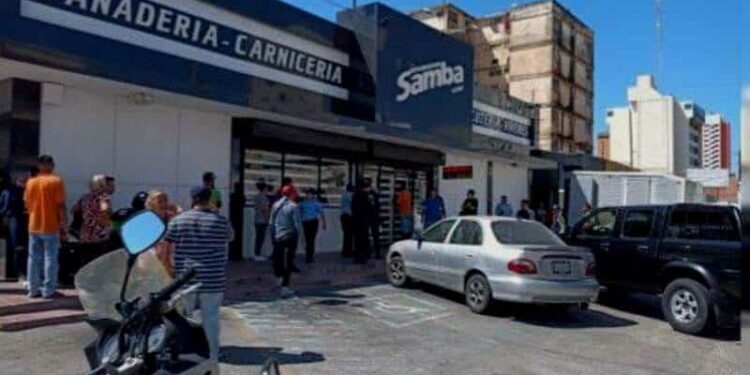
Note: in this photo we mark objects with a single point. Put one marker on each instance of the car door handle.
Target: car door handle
(687, 248)
(604, 246)
(470, 255)
(643, 248)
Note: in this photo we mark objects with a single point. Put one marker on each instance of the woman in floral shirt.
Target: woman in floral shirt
(95, 211)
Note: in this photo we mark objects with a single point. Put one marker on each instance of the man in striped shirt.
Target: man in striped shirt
(200, 237)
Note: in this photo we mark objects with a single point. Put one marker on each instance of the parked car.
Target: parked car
(493, 258)
(690, 254)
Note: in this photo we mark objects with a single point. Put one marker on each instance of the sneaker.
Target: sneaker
(54, 295)
(34, 295)
(259, 258)
(286, 292)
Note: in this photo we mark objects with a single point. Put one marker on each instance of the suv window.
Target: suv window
(638, 224)
(438, 232)
(467, 233)
(704, 224)
(600, 224)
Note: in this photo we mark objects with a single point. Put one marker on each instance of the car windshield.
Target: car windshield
(524, 233)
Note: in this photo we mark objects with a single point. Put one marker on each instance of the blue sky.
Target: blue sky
(702, 47)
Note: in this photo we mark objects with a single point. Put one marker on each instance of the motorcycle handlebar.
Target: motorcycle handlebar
(167, 292)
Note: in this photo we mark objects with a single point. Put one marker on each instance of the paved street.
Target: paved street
(376, 329)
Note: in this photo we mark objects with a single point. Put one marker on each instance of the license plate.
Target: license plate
(561, 268)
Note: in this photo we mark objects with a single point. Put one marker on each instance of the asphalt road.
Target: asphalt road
(376, 329)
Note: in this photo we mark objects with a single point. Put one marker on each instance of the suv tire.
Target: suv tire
(685, 304)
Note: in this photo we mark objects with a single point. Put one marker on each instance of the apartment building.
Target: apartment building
(655, 132)
(717, 153)
(538, 52)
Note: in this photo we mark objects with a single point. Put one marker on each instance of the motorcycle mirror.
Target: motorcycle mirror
(271, 367)
(141, 231)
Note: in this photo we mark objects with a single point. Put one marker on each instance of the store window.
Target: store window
(262, 165)
(333, 180)
(328, 177)
(303, 170)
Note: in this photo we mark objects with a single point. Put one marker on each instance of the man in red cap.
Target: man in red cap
(286, 226)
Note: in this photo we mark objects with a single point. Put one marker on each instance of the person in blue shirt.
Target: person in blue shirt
(504, 208)
(433, 209)
(311, 212)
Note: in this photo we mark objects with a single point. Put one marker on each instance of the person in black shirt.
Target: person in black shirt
(470, 207)
(525, 212)
(362, 212)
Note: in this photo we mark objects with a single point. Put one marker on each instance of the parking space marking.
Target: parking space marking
(401, 310)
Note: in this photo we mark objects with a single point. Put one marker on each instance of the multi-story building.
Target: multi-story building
(655, 132)
(540, 53)
(717, 153)
(602, 145)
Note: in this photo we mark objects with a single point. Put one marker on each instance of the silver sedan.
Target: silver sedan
(494, 258)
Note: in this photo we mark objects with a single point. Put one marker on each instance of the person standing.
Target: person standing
(209, 182)
(200, 238)
(312, 219)
(7, 228)
(347, 224)
(470, 207)
(20, 226)
(405, 210)
(45, 201)
(433, 209)
(525, 212)
(95, 212)
(504, 208)
(361, 210)
(262, 213)
(559, 224)
(286, 227)
(158, 201)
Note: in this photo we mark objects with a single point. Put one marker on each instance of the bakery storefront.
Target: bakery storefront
(156, 92)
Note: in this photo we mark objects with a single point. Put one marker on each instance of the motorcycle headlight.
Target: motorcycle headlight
(157, 338)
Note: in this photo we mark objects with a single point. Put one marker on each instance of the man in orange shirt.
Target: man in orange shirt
(405, 210)
(45, 201)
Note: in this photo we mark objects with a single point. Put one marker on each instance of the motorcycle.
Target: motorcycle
(140, 325)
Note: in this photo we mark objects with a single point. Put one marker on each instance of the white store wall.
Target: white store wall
(143, 147)
(507, 179)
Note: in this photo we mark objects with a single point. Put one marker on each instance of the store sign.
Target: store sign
(421, 79)
(201, 32)
(494, 122)
(458, 172)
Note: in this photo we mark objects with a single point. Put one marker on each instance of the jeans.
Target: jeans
(407, 226)
(260, 237)
(347, 226)
(208, 304)
(311, 233)
(375, 233)
(43, 249)
(283, 258)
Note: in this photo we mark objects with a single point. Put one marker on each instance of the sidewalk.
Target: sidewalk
(246, 280)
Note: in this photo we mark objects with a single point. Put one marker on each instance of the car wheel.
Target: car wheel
(396, 272)
(478, 293)
(685, 305)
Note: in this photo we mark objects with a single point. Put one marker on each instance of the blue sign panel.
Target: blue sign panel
(193, 47)
(424, 77)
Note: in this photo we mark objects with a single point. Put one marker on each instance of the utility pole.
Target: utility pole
(659, 13)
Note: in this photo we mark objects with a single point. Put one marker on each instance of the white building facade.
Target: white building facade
(655, 132)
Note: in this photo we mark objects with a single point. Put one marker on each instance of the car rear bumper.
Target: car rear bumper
(529, 290)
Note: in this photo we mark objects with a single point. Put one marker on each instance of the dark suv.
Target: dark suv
(688, 253)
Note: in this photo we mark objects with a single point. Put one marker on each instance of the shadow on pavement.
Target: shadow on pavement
(539, 315)
(330, 295)
(573, 319)
(250, 356)
(649, 306)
